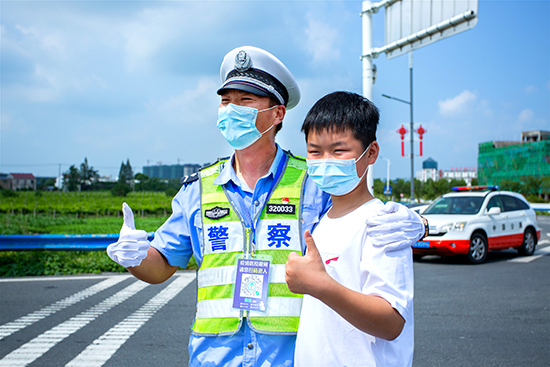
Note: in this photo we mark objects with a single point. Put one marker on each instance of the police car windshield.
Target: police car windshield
(456, 205)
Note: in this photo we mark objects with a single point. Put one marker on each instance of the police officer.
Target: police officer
(240, 218)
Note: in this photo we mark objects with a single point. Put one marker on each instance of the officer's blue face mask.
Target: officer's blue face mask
(335, 176)
(238, 125)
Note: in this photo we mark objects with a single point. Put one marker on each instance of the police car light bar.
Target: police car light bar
(473, 188)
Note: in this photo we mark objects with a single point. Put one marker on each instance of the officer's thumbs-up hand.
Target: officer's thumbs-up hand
(132, 245)
(304, 274)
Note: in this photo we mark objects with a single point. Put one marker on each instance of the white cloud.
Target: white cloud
(526, 115)
(321, 40)
(531, 89)
(155, 31)
(191, 103)
(457, 105)
(47, 41)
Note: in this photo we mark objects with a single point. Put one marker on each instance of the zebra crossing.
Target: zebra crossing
(119, 321)
(104, 347)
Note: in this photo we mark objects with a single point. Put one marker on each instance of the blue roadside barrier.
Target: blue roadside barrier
(68, 242)
(92, 242)
(540, 207)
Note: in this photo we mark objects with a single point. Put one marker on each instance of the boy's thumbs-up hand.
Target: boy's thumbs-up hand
(304, 274)
(132, 245)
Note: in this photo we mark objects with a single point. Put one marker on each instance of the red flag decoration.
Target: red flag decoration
(421, 131)
(402, 131)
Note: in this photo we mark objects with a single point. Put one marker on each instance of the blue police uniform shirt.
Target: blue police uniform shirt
(181, 236)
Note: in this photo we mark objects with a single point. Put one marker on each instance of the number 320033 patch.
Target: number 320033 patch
(281, 209)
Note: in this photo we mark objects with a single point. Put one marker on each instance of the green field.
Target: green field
(70, 224)
(94, 212)
(88, 203)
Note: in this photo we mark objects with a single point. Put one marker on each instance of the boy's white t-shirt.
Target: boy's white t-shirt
(379, 263)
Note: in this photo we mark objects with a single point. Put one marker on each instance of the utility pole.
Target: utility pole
(410, 103)
(412, 125)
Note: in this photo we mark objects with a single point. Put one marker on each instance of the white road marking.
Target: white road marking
(62, 277)
(104, 347)
(537, 255)
(22, 322)
(35, 348)
(525, 259)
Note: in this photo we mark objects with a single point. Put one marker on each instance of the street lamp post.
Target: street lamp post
(410, 103)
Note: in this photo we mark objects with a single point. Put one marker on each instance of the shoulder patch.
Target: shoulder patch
(188, 179)
(195, 176)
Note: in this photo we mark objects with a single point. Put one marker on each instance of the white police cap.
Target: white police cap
(256, 71)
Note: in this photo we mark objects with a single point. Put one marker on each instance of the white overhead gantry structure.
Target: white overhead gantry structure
(409, 25)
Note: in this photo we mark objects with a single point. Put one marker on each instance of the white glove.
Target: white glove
(396, 226)
(132, 245)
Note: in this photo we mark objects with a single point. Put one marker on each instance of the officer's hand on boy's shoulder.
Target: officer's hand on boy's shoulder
(132, 245)
(394, 224)
(304, 273)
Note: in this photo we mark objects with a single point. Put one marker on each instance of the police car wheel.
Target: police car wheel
(527, 247)
(478, 249)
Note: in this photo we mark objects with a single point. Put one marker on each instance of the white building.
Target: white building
(458, 173)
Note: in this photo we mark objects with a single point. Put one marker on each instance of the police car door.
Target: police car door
(496, 230)
(514, 220)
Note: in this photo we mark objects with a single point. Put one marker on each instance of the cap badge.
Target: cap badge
(242, 61)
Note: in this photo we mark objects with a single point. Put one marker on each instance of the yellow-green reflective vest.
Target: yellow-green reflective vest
(225, 236)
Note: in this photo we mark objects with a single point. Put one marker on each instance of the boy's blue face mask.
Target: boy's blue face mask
(335, 176)
(238, 125)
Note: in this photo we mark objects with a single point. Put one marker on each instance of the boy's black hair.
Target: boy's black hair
(341, 111)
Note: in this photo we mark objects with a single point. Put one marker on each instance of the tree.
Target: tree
(71, 179)
(428, 189)
(399, 187)
(126, 174)
(545, 186)
(88, 175)
(120, 189)
(533, 185)
(510, 185)
(442, 187)
(378, 187)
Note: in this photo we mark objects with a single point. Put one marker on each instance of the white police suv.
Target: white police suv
(475, 220)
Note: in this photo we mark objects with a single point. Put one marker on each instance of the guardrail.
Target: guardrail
(92, 242)
(540, 207)
(68, 242)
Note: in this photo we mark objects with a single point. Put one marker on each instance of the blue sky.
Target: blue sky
(118, 80)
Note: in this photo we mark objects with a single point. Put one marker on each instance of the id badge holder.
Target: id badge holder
(252, 284)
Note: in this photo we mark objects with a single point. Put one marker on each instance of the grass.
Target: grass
(99, 203)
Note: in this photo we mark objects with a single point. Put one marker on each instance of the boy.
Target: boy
(357, 275)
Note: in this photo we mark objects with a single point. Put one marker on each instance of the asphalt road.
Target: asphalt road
(494, 314)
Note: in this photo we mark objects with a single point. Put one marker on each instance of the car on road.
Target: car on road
(474, 220)
(418, 207)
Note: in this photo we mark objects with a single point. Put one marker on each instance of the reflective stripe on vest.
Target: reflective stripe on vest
(225, 237)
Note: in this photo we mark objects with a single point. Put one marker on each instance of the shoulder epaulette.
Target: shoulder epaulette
(294, 156)
(195, 176)
(188, 179)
